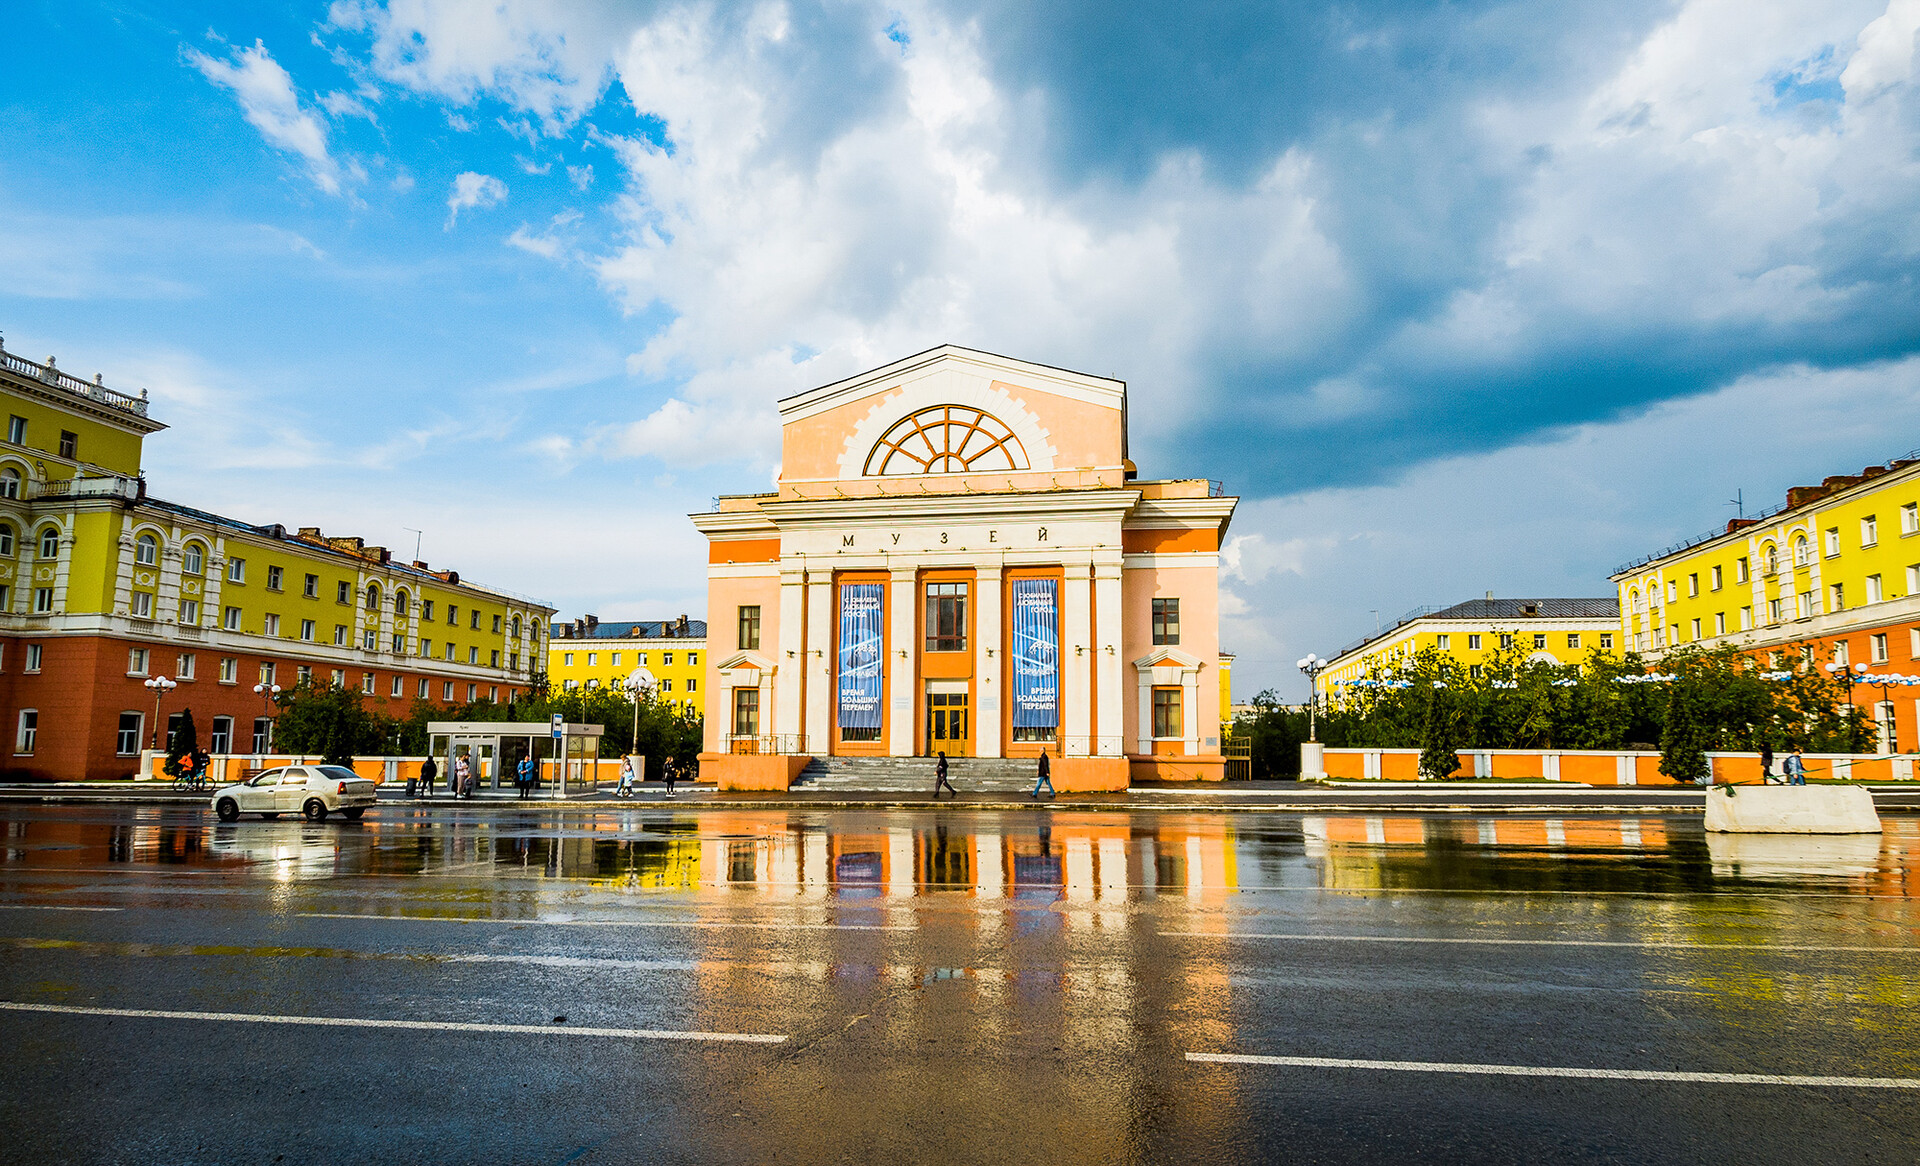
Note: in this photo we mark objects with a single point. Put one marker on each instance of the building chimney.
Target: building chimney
(1489, 596)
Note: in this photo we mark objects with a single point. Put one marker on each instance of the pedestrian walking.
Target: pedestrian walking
(201, 763)
(1796, 768)
(428, 771)
(625, 788)
(940, 778)
(1045, 778)
(462, 777)
(523, 777)
(1766, 763)
(667, 772)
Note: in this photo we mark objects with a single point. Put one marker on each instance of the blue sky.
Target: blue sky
(1459, 297)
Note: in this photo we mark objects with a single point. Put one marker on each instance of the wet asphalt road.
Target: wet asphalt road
(953, 986)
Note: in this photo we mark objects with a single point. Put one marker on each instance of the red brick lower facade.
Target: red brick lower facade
(82, 688)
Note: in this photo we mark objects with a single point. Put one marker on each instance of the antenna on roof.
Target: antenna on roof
(1739, 502)
(416, 543)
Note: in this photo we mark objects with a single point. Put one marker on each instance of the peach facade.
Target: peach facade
(959, 558)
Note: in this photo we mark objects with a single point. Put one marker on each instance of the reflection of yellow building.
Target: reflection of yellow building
(1551, 631)
(589, 654)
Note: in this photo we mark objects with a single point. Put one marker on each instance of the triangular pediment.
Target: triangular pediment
(1166, 657)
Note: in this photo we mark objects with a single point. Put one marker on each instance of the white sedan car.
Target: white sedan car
(312, 790)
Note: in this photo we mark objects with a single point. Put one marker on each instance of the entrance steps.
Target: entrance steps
(909, 775)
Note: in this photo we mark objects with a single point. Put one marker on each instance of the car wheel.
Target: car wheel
(227, 809)
(271, 816)
(353, 815)
(315, 810)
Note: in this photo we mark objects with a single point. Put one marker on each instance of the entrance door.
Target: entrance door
(949, 728)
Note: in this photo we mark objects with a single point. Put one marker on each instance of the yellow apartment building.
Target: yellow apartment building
(589, 654)
(1550, 631)
(1833, 575)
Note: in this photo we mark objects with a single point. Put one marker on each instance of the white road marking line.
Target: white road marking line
(756, 1038)
(690, 924)
(1889, 949)
(1549, 1071)
(52, 907)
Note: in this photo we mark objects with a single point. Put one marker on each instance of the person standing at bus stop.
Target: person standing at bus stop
(428, 771)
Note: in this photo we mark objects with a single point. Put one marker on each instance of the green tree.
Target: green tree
(180, 745)
(329, 720)
(1275, 732)
(1439, 734)
(1685, 737)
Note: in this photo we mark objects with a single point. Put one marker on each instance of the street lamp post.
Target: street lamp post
(267, 693)
(160, 686)
(1859, 675)
(639, 684)
(1313, 757)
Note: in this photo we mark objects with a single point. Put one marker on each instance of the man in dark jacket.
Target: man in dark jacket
(428, 771)
(1045, 778)
(940, 778)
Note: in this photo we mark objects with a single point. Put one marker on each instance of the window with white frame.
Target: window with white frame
(271, 625)
(231, 619)
(136, 661)
(27, 733)
(6, 540)
(399, 643)
(275, 576)
(366, 682)
(1714, 580)
(369, 639)
(220, 741)
(183, 667)
(1506, 641)
(1874, 592)
(1913, 579)
(568, 685)
(310, 588)
(42, 600)
(1694, 627)
(146, 550)
(303, 674)
(1442, 641)
(339, 678)
(190, 612)
(593, 659)
(473, 655)
(1473, 643)
(493, 658)
(450, 658)
(693, 684)
(446, 690)
(1877, 644)
(229, 670)
(1776, 610)
(1910, 518)
(339, 635)
(1913, 643)
(399, 684)
(693, 659)
(423, 687)
(306, 630)
(50, 542)
(426, 648)
(1833, 541)
(9, 483)
(1869, 530)
(593, 683)
(1803, 605)
(473, 693)
(143, 605)
(1693, 585)
(473, 624)
(613, 658)
(194, 559)
(566, 659)
(1719, 623)
(1837, 597)
(1740, 570)
(236, 570)
(343, 592)
(267, 671)
(126, 741)
(1673, 591)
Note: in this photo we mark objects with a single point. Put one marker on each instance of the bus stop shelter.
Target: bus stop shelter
(496, 748)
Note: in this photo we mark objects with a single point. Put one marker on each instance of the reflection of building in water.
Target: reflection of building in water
(1358, 853)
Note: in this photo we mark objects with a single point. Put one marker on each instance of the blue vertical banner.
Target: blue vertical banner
(862, 650)
(1036, 654)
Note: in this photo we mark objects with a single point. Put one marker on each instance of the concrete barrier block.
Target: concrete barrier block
(1313, 760)
(1791, 809)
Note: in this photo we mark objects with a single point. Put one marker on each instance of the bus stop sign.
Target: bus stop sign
(559, 726)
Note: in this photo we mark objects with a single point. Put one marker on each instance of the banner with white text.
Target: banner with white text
(862, 649)
(1036, 654)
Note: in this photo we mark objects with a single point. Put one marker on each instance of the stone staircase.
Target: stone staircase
(910, 775)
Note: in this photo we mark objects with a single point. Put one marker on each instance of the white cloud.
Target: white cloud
(341, 104)
(580, 176)
(272, 106)
(471, 190)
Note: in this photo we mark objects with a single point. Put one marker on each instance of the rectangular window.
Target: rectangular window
(274, 577)
(1869, 530)
(236, 570)
(746, 712)
(1475, 671)
(946, 617)
(473, 655)
(473, 693)
(1877, 644)
(220, 741)
(303, 674)
(229, 670)
(142, 605)
(1840, 653)
(566, 659)
(693, 685)
(423, 687)
(137, 661)
(1694, 627)
(1573, 641)
(399, 644)
(1166, 621)
(496, 625)
(370, 640)
(641, 656)
(513, 661)
(749, 638)
(1746, 618)
(310, 589)
(693, 659)
(29, 727)
(1693, 585)
(1606, 641)
(1719, 623)
(446, 690)
(666, 684)
(568, 685)
(1673, 591)
(1473, 643)
(1837, 597)
(272, 625)
(1803, 605)
(493, 693)
(307, 630)
(1506, 642)
(494, 658)
(450, 652)
(339, 635)
(1913, 643)
(473, 622)
(17, 432)
(366, 682)
(1910, 518)
(262, 727)
(614, 659)
(42, 600)
(1539, 642)
(426, 609)
(343, 592)
(189, 612)
(1166, 713)
(666, 658)
(267, 671)
(231, 619)
(1833, 540)
(426, 648)
(593, 659)
(339, 677)
(1714, 579)
(127, 740)
(183, 666)
(399, 685)
(1443, 641)
(1874, 592)
(1740, 570)
(69, 445)
(453, 615)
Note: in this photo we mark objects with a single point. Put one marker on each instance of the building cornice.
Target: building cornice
(1052, 504)
(1059, 381)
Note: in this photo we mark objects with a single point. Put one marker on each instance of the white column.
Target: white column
(1189, 708)
(989, 661)
(902, 598)
(166, 602)
(1107, 721)
(817, 658)
(1076, 636)
(784, 717)
(1145, 678)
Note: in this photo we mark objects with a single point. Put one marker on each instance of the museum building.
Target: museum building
(959, 558)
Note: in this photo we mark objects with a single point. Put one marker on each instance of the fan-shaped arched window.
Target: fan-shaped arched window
(947, 439)
(194, 560)
(50, 542)
(400, 603)
(146, 550)
(9, 483)
(373, 597)
(1639, 605)
(1770, 558)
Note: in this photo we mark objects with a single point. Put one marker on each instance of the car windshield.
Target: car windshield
(338, 773)
(270, 777)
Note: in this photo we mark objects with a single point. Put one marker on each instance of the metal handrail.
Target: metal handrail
(789, 744)
(49, 374)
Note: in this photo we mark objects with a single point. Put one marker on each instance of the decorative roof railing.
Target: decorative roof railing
(1403, 621)
(94, 390)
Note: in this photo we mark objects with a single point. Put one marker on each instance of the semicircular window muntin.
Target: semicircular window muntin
(946, 439)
